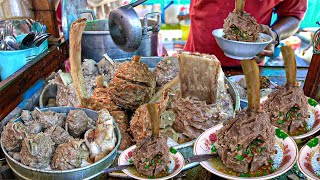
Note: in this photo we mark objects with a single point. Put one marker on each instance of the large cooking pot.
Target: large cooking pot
(87, 172)
(96, 38)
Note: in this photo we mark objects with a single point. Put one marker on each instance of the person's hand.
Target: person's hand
(269, 50)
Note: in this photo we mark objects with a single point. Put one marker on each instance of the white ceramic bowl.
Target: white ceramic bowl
(238, 49)
(285, 159)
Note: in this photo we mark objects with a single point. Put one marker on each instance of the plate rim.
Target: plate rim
(243, 178)
(298, 162)
(162, 178)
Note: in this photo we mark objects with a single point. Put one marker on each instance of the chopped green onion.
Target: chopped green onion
(147, 166)
(239, 147)
(280, 114)
(151, 177)
(239, 157)
(173, 151)
(130, 161)
(280, 121)
(213, 149)
(312, 102)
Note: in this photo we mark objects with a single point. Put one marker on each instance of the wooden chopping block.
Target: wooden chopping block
(198, 76)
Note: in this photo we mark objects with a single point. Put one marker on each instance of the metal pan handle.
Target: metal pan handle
(134, 4)
(86, 11)
(154, 28)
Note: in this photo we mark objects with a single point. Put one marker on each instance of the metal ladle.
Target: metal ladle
(125, 27)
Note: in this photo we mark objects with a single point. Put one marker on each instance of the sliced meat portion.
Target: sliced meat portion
(151, 156)
(287, 107)
(246, 142)
(241, 27)
(12, 135)
(58, 134)
(78, 122)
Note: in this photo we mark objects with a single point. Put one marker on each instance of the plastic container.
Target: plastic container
(184, 24)
(11, 61)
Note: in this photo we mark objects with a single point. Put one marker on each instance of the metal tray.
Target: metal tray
(87, 172)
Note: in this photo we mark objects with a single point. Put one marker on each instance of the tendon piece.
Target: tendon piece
(166, 70)
(48, 118)
(241, 26)
(26, 117)
(37, 151)
(151, 156)
(108, 68)
(133, 84)
(246, 142)
(199, 75)
(78, 122)
(12, 135)
(70, 155)
(103, 139)
(58, 134)
(89, 67)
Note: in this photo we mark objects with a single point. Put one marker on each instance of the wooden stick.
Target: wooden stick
(251, 73)
(290, 64)
(153, 110)
(76, 31)
(240, 6)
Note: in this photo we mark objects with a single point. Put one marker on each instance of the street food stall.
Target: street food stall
(104, 96)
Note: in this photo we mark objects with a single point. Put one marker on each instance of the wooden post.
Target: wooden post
(44, 12)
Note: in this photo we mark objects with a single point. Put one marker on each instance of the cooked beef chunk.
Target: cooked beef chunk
(122, 121)
(78, 122)
(37, 150)
(26, 117)
(246, 142)
(132, 85)
(241, 27)
(166, 70)
(151, 156)
(35, 127)
(287, 107)
(48, 118)
(140, 124)
(70, 155)
(89, 67)
(12, 135)
(58, 134)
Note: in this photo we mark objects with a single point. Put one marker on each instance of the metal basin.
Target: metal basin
(87, 172)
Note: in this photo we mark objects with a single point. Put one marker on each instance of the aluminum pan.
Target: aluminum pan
(87, 172)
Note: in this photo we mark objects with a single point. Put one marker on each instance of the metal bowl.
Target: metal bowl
(87, 172)
(238, 49)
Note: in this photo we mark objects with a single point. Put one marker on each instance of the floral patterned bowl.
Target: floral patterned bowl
(308, 162)
(125, 158)
(313, 123)
(282, 160)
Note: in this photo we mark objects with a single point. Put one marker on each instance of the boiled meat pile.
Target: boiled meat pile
(241, 27)
(246, 142)
(151, 156)
(287, 107)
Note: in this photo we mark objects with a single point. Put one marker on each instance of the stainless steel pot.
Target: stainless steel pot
(96, 38)
(87, 172)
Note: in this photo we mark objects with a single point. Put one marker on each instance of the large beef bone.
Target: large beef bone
(198, 77)
(154, 114)
(76, 31)
(290, 65)
(240, 6)
(251, 73)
